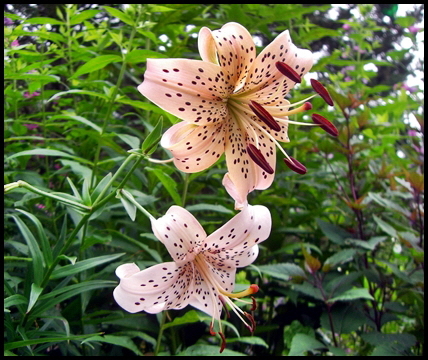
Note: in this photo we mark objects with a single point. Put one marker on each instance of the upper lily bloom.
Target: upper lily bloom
(232, 102)
(203, 271)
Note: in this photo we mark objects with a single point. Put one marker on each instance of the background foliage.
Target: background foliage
(342, 272)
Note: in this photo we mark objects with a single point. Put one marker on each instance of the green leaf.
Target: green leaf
(84, 15)
(33, 247)
(151, 141)
(44, 242)
(44, 20)
(168, 182)
(385, 226)
(302, 343)
(78, 91)
(252, 340)
(34, 77)
(309, 290)
(77, 118)
(132, 141)
(101, 185)
(376, 338)
(139, 56)
(43, 340)
(190, 317)
(83, 265)
(388, 204)
(96, 64)
(346, 318)
(48, 152)
(283, 271)
(368, 244)
(340, 257)
(34, 295)
(130, 208)
(352, 294)
(333, 232)
(14, 300)
(120, 15)
(124, 341)
(78, 169)
(208, 350)
(210, 207)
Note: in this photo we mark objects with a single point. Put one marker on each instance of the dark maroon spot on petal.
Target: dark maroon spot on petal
(322, 91)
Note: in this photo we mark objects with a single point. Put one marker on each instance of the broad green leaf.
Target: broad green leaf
(101, 186)
(284, 271)
(34, 295)
(78, 91)
(96, 64)
(78, 169)
(14, 300)
(34, 77)
(208, 350)
(44, 20)
(140, 105)
(370, 244)
(252, 340)
(139, 56)
(376, 338)
(33, 247)
(84, 15)
(388, 204)
(333, 232)
(340, 257)
(346, 318)
(48, 152)
(79, 266)
(352, 294)
(120, 15)
(77, 118)
(302, 343)
(385, 226)
(151, 141)
(210, 207)
(124, 341)
(190, 317)
(168, 182)
(309, 290)
(132, 141)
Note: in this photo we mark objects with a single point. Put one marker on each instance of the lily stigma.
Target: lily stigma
(233, 102)
(203, 271)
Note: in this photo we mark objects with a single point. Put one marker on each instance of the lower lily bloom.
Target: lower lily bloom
(231, 102)
(203, 271)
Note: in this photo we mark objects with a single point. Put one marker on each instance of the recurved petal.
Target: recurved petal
(266, 78)
(245, 230)
(180, 232)
(189, 89)
(235, 50)
(195, 148)
(160, 287)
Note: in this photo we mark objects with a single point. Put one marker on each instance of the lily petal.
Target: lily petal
(235, 50)
(192, 90)
(160, 287)
(180, 232)
(195, 148)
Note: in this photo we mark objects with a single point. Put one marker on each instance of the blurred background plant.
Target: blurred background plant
(342, 272)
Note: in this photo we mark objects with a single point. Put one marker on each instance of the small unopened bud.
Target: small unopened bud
(326, 125)
(288, 71)
(295, 165)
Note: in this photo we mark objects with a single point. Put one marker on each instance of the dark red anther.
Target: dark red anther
(259, 159)
(264, 115)
(295, 165)
(212, 332)
(252, 321)
(288, 71)
(254, 306)
(223, 342)
(322, 91)
(326, 125)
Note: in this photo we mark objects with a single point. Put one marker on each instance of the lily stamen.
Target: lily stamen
(259, 159)
(288, 71)
(264, 115)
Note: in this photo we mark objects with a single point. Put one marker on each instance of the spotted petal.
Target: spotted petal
(189, 89)
(160, 287)
(195, 148)
(234, 47)
(180, 232)
(234, 244)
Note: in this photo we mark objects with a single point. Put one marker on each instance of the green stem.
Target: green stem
(186, 186)
(161, 329)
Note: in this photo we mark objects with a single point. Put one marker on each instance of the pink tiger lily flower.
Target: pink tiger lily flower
(203, 271)
(231, 102)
